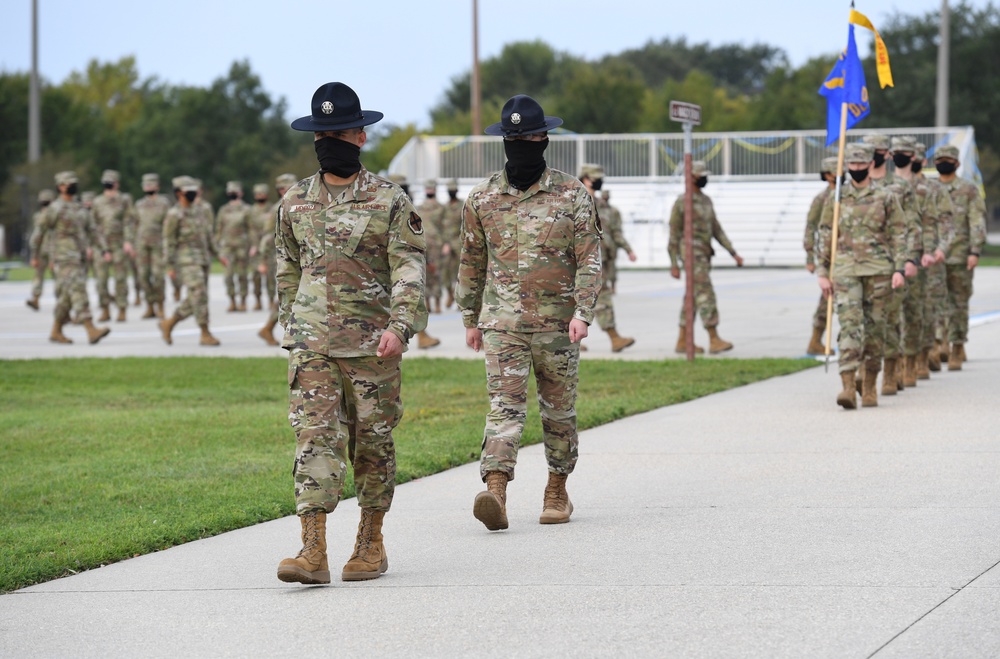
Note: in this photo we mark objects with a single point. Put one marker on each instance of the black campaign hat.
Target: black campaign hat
(522, 115)
(335, 106)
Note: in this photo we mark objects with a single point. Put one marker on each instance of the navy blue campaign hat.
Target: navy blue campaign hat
(522, 115)
(335, 106)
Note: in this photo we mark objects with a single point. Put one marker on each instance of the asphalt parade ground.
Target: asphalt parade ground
(763, 521)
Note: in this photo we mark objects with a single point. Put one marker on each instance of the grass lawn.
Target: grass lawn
(104, 459)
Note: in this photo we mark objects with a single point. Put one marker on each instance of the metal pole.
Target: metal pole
(34, 103)
(941, 112)
(477, 128)
(688, 243)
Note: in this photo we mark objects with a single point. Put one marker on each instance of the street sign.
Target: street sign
(685, 112)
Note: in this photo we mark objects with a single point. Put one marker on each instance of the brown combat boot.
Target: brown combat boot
(243, 304)
(437, 305)
(934, 359)
(167, 326)
(309, 566)
(556, 508)
(490, 506)
(32, 302)
(942, 350)
(681, 346)
(815, 346)
(955, 358)
(859, 380)
(267, 333)
(425, 340)
(159, 309)
(900, 367)
(869, 393)
(910, 371)
(105, 315)
(716, 344)
(121, 315)
(232, 304)
(923, 365)
(847, 398)
(619, 343)
(257, 305)
(961, 352)
(57, 335)
(95, 334)
(150, 311)
(206, 337)
(368, 560)
(889, 379)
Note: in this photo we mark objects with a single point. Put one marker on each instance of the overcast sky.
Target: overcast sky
(400, 55)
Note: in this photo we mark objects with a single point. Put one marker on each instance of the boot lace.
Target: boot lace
(310, 535)
(364, 545)
(555, 494)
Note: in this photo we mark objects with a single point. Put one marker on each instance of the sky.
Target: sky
(400, 56)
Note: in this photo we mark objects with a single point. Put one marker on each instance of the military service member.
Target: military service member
(451, 242)
(187, 249)
(705, 227)
(871, 251)
(73, 234)
(268, 266)
(613, 228)
(258, 222)
(349, 302)
(113, 213)
(45, 197)
(828, 174)
(529, 276)
(424, 339)
(431, 212)
(962, 256)
(232, 235)
(592, 177)
(147, 238)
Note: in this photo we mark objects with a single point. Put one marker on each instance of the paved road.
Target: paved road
(762, 521)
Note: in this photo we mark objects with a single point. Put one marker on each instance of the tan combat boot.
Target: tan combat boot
(900, 367)
(681, 346)
(57, 335)
(869, 393)
(267, 333)
(816, 343)
(206, 337)
(556, 508)
(232, 304)
(121, 315)
(310, 565)
(243, 304)
(437, 305)
(924, 366)
(490, 506)
(716, 344)
(257, 305)
(105, 315)
(847, 398)
(619, 343)
(955, 358)
(942, 350)
(910, 371)
(94, 333)
(368, 560)
(167, 326)
(961, 352)
(859, 380)
(32, 302)
(934, 359)
(150, 311)
(159, 309)
(889, 380)
(425, 340)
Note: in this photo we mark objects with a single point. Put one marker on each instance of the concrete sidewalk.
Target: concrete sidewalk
(762, 521)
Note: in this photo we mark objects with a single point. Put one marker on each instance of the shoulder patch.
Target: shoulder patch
(415, 223)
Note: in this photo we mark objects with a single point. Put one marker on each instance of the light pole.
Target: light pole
(476, 122)
(944, 46)
(34, 112)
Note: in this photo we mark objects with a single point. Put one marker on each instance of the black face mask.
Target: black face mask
(149, 193)
(72, 189)
(108, 186)
(453, 194)
(525, 161)
(916, 166)
(261, 200)
(597, 184)
(232, 196)
(823, 175)
(946, 168)
(701, 181)
(858, 175)
(901, 160)
(879, 159)
(191, 195)
(43, 204)
(338, 157)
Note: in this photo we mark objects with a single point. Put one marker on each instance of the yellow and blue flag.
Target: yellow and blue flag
(845, 84)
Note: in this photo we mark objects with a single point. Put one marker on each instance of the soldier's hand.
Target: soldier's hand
(262, 269)
(389, 345)
(927, 260)
(910, 269)
(129, 250)
(826, 286)
(107, 256)
(34, 263)
(675, 272)
(631, 257)
(810, 267)
(939, 256)
(253, 252)
(577, 330)
(445, 249)
(474, 338)
(898, 280)
(972, 262)
(224, 261)
(739, 260)
(171, 274)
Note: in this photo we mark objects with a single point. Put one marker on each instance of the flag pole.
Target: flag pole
(836, 224)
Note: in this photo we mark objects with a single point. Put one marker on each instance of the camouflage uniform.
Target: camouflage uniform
(705, 226)
(349, 268)
(431, 211)
(45, 197)
(232, 235)
(147, 238)
(260, 225)
(187, 249)
(451, 235)
(530, 263)
(871, 245)
(809, 239)
(114, 214)
(612, 241)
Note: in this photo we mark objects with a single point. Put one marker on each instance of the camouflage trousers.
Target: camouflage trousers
(71, 291)
(610, 269)
(819, 317)
(604, 309)
(937, 301)
(862, 308)
(704, 295)
(959, 280)
(510, 357)
(914, 296)
(432, 279)
(236, 272)
(117, 268)
(149, 262)
(893, 324)
(343, 409)
(449, 270)
(38, 279)
(195, 279)
(271, 279)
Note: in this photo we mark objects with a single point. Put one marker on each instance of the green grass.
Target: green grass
(104, 459)
(990, 255)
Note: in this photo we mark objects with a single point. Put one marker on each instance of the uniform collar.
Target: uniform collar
(358, 191)
(543, 184)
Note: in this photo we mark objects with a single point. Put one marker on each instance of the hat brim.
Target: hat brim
(498, 129)
(309, 123)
